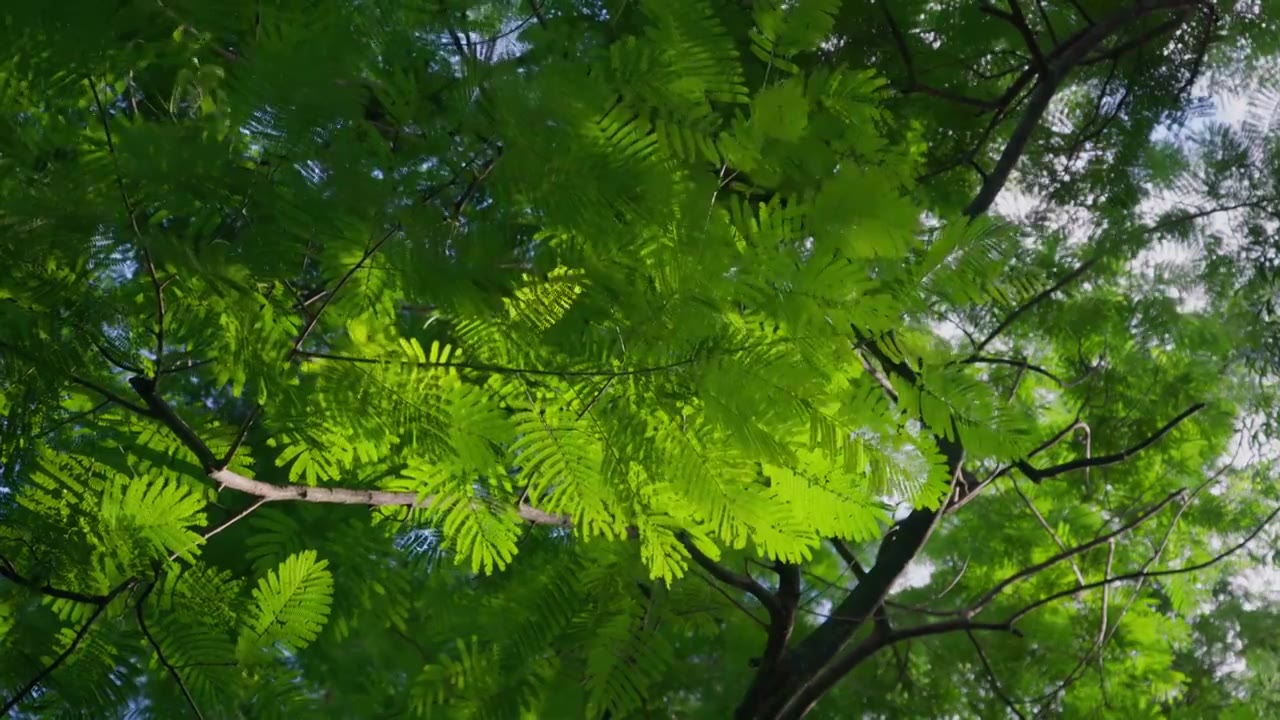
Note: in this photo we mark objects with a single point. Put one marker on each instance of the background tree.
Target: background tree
(617, 359)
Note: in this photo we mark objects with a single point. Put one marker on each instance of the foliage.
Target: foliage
(502, 359)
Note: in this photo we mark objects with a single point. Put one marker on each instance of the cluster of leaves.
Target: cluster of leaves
(412, 358)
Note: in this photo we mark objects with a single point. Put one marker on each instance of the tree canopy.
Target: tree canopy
(638, 358)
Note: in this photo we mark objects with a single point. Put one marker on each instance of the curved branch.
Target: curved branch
(1037, 474)
(168, 666)
(1023, 364)
(742, 581)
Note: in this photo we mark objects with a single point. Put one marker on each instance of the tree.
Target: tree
(559, 359)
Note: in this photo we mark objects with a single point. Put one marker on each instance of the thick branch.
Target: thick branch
(741, 581)
(303, 493)
(810, 693)
(817, 663)
(358, 496)
(1060, 64)
(803, 700)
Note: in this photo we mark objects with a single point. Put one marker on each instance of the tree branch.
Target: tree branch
(1060, 64)
(1145, 574)
(173, 671)
(1025, 573)
(57, 662)
(1122, 48)
(846, 553)
(741, 581)
(1047, 528)
(1016, 18)
(502, 369)
(9, 572)
(991, 676)
(799, 704)
(368, 253)
(1044, 17)
(111, 395)
(240, 436)
(1067, 279)
(913, 83)
(1036, 475)
(158, 288)
(1012, 362)
(299, 493)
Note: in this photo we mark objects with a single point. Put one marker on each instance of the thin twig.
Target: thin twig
(173, 671)
(115, 160)
(238, 440)
(501, 369)
(368, 253)
(1080, 269)
(73, 418)
(223, 526)
(991, 676)
(954, 581)
(159, 293)
(1045, 524)
(1106, 600)
(1080, 666)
